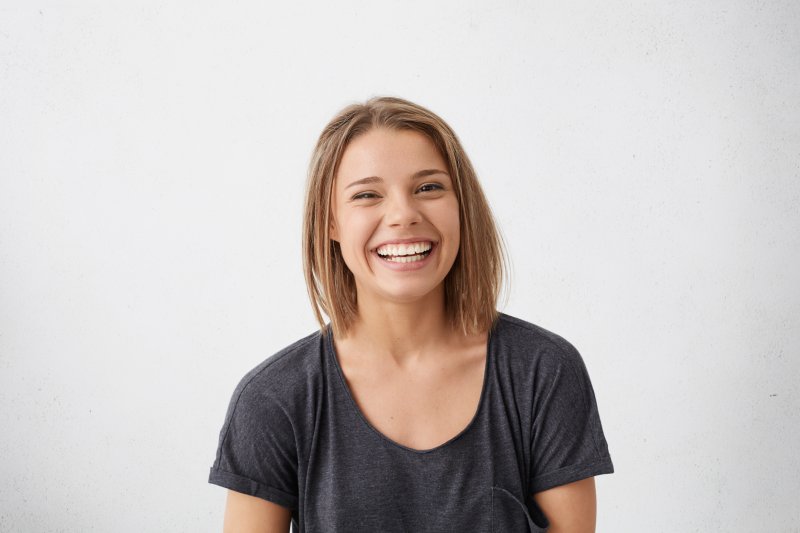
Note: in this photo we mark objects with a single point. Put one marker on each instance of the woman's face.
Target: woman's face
(395, 215)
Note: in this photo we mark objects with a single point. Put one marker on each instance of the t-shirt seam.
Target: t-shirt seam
(586, 404)
(492, 514)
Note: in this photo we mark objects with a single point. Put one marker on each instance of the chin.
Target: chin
(409, 295)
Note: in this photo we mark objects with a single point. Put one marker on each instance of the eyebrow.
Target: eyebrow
(415, 176)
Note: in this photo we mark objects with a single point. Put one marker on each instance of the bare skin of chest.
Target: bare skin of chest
(422, 405)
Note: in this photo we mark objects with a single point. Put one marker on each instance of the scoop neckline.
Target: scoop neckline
(487, 365)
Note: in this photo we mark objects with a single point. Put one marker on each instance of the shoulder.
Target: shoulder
(547, 378)
(535, 359)
(285, 377)
(525, 343)
(269, 424)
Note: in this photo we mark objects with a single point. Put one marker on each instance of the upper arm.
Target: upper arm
(249, 514)
(570, 508)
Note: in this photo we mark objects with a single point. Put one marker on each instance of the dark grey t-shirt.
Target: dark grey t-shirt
(294, 435)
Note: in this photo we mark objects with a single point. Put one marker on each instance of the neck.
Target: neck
(406, 332)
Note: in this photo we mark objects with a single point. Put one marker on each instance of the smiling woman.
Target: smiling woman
(404, 218)
(419, 407)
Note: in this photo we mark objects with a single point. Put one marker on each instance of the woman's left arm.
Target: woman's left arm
(570, 508)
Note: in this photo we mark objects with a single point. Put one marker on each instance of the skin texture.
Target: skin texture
(422, 381)
(570, 508)
(248, 514)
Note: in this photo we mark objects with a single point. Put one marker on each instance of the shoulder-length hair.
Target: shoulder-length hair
(473, 284)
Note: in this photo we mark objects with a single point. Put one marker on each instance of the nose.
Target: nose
(401, 211)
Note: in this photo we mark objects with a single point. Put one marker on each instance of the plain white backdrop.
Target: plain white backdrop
(642, 160)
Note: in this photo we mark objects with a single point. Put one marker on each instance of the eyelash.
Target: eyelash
(362, 196)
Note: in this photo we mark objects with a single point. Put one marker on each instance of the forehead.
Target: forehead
(388, 154)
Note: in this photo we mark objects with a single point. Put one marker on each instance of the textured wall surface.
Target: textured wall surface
(642, 159)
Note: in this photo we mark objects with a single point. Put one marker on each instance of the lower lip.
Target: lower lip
(403, 267)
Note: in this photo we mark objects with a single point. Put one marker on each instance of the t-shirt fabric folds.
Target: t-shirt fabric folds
(294, 435)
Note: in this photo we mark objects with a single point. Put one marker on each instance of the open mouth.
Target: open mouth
(405, 253)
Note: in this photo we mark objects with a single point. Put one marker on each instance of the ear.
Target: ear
(333, 233)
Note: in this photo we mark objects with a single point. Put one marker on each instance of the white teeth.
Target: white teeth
(404, 249)
(405, 258)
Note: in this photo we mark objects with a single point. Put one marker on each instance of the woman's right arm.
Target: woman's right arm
(248, 514)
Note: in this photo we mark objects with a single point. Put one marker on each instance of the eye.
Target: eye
(365, 196)
(429, 187)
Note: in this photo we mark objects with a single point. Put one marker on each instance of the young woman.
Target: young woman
(419, 407)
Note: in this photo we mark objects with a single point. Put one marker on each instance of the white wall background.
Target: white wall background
(643, 160)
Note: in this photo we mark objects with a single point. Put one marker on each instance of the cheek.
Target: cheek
(355, 231)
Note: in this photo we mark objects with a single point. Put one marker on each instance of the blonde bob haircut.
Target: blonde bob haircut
(474, 282)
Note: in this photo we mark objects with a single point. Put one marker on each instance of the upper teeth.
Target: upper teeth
(411, 248)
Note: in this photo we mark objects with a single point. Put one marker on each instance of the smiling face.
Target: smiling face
(395, 215)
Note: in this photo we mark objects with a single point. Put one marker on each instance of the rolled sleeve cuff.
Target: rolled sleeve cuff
(568, 474)
(246, 485)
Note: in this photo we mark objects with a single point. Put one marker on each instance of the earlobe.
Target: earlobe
(332, 233)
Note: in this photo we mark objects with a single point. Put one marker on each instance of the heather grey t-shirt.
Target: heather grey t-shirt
(294, 435)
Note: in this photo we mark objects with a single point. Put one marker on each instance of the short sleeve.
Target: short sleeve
(568, 443)
(257, 452)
